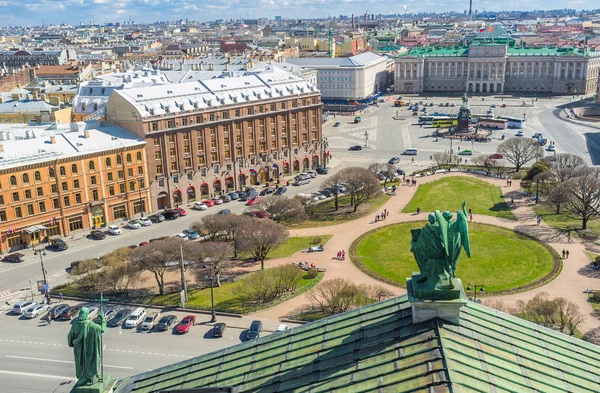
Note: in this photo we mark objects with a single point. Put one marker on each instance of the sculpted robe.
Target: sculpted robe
(85, 337)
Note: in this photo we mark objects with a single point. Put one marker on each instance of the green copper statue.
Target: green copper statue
(85, 337)
(437, 246)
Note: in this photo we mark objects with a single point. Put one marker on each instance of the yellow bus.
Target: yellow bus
(443, 122)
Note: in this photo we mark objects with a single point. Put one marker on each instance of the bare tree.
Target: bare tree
(213, 226)
(309, 204)
(360, 184)
(584, 196)
(519, 151)
(282, 209)
(120, 276)
(217, 255)
(558, 194)
(387, 170)
(477, 160)
(375, 292)
(86, 275)
(441, 158)
(565, 165)
(334, 296)
(558, 313)
(154, 258)
(331, 183)
(258, 237)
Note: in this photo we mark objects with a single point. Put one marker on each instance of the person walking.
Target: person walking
(568, 239)
(48, 318)
(418, 210)
(539, 220)
(60, 297)
(564, 253)
(470, 217)
(567, 253)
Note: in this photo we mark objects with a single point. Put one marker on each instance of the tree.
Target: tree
(360, 185)
(309, 204)
(441, 158)
(584, 195)
(519, 151)
(387, 170)
(86, 275)
(535, 170)
(282, 209)
(558, 194)
(267, 285)
(121, 275)
(217, 255)
(334, 296)
(154, 258)
(558, 313)
(331, 183)
(213, 226)
(565, 165)
(258, 237)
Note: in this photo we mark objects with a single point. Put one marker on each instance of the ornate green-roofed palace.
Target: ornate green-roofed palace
(493, 63)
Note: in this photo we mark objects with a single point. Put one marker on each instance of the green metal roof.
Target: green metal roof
(446, 51)
(377, 348)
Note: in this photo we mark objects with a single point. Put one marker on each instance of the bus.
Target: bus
(497, 124)
(425, 119)
(513, 122)
(444, 122)
(476, 118)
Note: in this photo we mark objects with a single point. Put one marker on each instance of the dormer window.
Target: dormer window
(167, 109)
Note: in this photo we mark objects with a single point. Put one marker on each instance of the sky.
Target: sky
(36, 12)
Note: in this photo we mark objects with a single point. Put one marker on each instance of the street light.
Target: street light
(141, 201)
(212, 298)
(480, 286)
(366, 138)
(41, 254)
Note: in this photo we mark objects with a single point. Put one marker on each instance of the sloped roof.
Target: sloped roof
(377, 348)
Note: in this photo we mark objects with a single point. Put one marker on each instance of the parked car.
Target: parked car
(134, 224)
(282, 328)
(301, 182)
(465, 152)
(520, 133)
(225, 198)
(312, 173)
(97, 235)
(208, 203)
(33, 312)
(496, 156)
(191, 234)
(400, 171)
(145, 221)
(185, 325)
(200, 206)
(22, 306)
(315, 249)
(224, 211)
(394, 160)
(243, 196)
(181, 236)
(171, 215)
(182, 211)
(166, 323)
(327, 193)
(493, 106)
(217, 201)
(233, 195)
(70, 313)
(94, 309)
(321, 170)
(114, 230)
(58, 244)
(255, 330)
(149, 322)
(135, 318)
(257, 214)
(120, 317)
(156, 218)
(319, 195)
(58, 309)
(281, 190)
(109, 312)
(336, 124)
(551, 148)
(355, 147)
(267, 191)
(219, 329)
(253, 201)
(14, 257)
(144, 243)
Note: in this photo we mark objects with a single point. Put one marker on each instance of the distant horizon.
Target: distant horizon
(99, 12)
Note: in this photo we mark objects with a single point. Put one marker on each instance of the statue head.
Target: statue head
(431, 218)
(84, 314)
(447, 215)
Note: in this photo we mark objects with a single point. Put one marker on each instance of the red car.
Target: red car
(257, 213)
(253, 201)
(217, 201)
(496, 156)
(209, 202)
(185, 324)
(181, 211)
(144, 244)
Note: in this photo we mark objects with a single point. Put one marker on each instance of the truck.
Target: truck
(399, 103)
(357, 119)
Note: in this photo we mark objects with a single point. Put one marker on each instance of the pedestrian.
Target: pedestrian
(539, 220)
(376, 217)
(343, 255)
(512, 202)
(339, 255)
(568, 239)
(387, 213)
(60, 296)
(510, 183)
(564, 253)
(507, 183)
(412, 160)
(418, 210)
(470, 217)
(470, 211)
(415, 182)
(49, 319)
(567, 253)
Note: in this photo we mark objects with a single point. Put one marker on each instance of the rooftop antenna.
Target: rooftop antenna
(330, 52)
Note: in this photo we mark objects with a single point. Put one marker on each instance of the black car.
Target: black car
(15, 257)
(157, 218)
(327, 193)
(97, 235)
(255, 330)
(171, 214)
(394, 160)
(70, 313)
(356, 147)
(267, 191)
(233, 195)
(58, 244)
(219, 329)
(242, 196)
(166, 323)
(321, 170)
(400, 171)
(281, 191)
(57, 310)
(121, 317)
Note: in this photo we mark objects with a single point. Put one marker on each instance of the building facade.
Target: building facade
(20, 58)
(497, 65)
(58, 179)
(207, 137)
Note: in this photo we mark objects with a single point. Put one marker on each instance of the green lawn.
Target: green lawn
(563, 220)
(501, 259)
(449, 193)
(294, 245)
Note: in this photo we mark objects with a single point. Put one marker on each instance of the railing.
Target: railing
(96, 115)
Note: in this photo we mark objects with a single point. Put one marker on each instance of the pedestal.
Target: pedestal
(106, 386)
(435, 303)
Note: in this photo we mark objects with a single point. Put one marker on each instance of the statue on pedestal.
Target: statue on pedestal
(85, 337)
(464, 116)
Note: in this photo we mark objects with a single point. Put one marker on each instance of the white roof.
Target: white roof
(362, 60)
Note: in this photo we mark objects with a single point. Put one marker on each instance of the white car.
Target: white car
(149, 322)
(144, 221)
(134, 224)
(182, 236)
(519, 133)
(319, 196)
(200, 206)
(551, 148)
(93, 311)
(282, 328)
(114, 230)
(33, 312)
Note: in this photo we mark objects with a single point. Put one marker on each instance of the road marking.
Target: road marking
(61, 361)
(36, 375)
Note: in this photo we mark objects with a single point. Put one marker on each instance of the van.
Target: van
(136, 317)
(410, 152)
(255, 330)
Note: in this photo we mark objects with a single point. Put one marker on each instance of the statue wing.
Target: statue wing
(463, 228)
(443, 229)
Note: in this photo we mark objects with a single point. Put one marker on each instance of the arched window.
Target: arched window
(38, 176)
(13, 180)
(74, 169)
(108, 162)
(128, 158)
(51, 173)
(119, 159)
(63, 171)
(92, 165)
(25, 178)
(138, 156)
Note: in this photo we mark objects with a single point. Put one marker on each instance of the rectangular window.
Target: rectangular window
(42, 206)
(198, 119)
(159, 168)
(173, 166)
(130, 172)
(109, 176)
(65, 186)
(211, 117)
(170, 124)
(237, 113)
(122, 188)
(111, 190)
(27, 194)
(140, 170)
(39, 192)
(214, 157)
(18, 212)
(120, 174)
(1, 200)
(55, 203)
(75, 223)
(15, 197)
(141, 183)
(30, 211)
(250, 111)
(93, 180)
(95, 196)
(75, 183)
(67, 200)
(119, 212)
(184, 122)
(171, 138)
(156, 142)
(3, 215)
(78, 198)
(155, 128)
(188, 162)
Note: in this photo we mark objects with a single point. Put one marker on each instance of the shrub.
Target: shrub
(267, 285)
(317, 240)
(312, 273)
(588, 234)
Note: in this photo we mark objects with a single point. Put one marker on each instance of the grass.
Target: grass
(449, 193)
(563, 221)
(501, 259)
(294, 245)
(595, 303)
(226, 299)
(591, 255)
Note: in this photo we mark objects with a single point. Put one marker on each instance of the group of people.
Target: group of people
(306, 265)
(341, 255)
(565, 254)
(476, 138)
(393, 188)
(382, 216)
(410, 182)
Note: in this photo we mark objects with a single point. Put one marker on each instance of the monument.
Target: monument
(85, 337)
(436, 248)
(464, 116)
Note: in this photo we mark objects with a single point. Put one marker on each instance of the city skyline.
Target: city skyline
(74, 12)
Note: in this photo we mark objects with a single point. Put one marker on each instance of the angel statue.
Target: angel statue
(437, 246)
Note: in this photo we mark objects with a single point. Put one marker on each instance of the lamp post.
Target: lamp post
(480, 286)
(212, 298)
(141, 201)
(41, 254)
(366, 138)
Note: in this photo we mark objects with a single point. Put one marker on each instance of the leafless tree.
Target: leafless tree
(334, 296)
(258, 237)
(387, 170)
(558, 194)
(121, 275)
(331, 183)
(309, 204)
(584, 196)
(217, 255)
(375, 292)
(441, 158)
(213, 226)
(477, 160)
(361, 185)
(282, 209)
(558, 313)
(268, 285)
(565, 165)
(87, 276)
(154, 258)
(519, 151)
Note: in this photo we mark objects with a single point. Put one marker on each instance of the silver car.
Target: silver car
(33, 312)
(22, 306)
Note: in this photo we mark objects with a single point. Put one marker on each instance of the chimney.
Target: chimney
(86, 134)
(53, 140)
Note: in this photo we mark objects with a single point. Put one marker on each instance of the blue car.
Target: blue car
(191, 234)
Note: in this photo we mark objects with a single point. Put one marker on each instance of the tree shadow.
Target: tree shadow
(593, 335)
(589, 271)
(542, 233)
(500, 207)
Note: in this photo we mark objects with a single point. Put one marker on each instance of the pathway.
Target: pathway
(574, 279)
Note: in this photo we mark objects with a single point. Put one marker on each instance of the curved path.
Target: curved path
(571, 283)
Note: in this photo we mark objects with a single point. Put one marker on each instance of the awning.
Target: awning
(35, 228)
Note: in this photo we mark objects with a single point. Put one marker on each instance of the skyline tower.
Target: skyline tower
(470, 9)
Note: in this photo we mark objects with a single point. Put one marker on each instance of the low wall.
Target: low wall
(588, 113)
